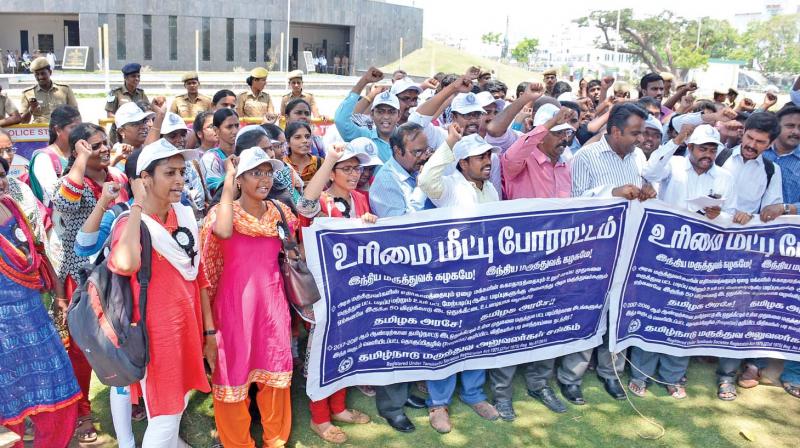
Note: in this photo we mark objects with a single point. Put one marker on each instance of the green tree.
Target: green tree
(773, 43)
(524, 49)
(491, 38)
(664, 42)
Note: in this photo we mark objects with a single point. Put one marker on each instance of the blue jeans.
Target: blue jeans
(791, 373)
(440, 392)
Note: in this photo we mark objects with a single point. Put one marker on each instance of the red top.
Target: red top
(174, 329)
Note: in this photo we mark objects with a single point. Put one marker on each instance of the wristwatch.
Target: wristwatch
(785, 209)
(210, 332)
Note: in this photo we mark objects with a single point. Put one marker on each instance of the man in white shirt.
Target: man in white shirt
(758, 181)
(467, 185)
(757, 184)
(685, 178)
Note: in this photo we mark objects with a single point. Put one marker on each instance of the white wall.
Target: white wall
(11, 24)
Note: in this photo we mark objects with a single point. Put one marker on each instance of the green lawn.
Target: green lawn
(767, 414)
(435, 57)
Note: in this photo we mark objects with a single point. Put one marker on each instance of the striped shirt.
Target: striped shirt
(597, 170)
(790, 173)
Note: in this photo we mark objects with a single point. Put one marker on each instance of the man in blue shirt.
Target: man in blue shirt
(394, 192)
(385, 114)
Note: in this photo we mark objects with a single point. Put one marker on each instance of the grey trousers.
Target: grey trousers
(670, 368)
(390, 399)
(574, 365)
(727, 369)
(536, 375)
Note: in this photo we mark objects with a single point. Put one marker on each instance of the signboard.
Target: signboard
(309, 59)
(29, 137)
(75, 58)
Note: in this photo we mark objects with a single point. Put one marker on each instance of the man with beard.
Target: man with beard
(407, 92)
(609, 167)
(681, 180)
(385, 114)
(758, 185)
(39, 101)
(465, 186)
(785, 152)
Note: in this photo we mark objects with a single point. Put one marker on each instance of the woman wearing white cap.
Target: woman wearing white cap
(342, 169)
(241, 243)
(174, 319)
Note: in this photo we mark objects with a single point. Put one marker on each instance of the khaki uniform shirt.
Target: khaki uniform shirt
(7, 106)
(119, 96)
(306, 96)
(186, 108)
(250, 105)
(48, 100)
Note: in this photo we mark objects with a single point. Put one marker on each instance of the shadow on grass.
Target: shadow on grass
(767, 414)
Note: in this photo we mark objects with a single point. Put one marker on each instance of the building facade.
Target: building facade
(234, 33)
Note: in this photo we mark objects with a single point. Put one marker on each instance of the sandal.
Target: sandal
(677, 392)
(726, 391)
(367, 390)
(422, 387)
(333, 434)
(792, 390)
(87, 435)
(636, 389)
(138, 412)
(750, 377)
(355, 417)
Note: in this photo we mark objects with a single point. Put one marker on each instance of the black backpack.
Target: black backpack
(100, 319)
(725, 154)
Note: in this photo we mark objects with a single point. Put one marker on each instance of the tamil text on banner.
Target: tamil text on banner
(430, 294)
(687, 285)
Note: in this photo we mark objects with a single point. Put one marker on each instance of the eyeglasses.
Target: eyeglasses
(421, 152)
(473, 115)
(348, 170)
(260, 174)
(8, 150)
(279, 146)
(564, 133)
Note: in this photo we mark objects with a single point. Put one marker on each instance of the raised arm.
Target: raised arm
(499, 125)
(223, 227)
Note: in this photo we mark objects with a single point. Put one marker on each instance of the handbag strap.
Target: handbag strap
(289, 243)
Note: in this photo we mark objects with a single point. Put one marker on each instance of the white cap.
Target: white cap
(486, 98)
(401, 85)
(472, 145)
(161, 149)
(545, 113)
(348, 154)
(653, 123)
(465, 103)
(130, 113)
(248, 129)
(253, 157)
(363, 145)
(567, 96)
(388, 98)
(705, 133)
(172, 122)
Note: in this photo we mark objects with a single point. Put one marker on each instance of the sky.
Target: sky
(470, 18)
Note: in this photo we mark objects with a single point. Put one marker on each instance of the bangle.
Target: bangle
(211, 332)
(136, 204)
(226, 203)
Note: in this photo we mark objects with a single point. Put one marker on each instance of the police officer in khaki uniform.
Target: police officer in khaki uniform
(296, 83)
(129, 92)
(191, 103)
(550, 78)
(255, 102)
(40, 100)
(8, 111)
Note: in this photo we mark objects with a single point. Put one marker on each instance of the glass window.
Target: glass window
(121, 53)
(147, 36)
(253, 40)
(267, 40)
(206, 38)
(173, 38)
(229, 40)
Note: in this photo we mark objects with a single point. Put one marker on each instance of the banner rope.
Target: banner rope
(652, 421)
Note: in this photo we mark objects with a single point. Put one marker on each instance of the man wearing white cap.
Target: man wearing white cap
(466, 186)
(385, 114)
(407, 92)
(651, 138)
